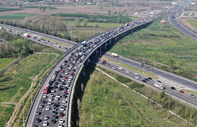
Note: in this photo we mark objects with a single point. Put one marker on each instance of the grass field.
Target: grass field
(155, 44)
(19, 77)
(5, 61)
(9, 9)
(15, 16)
(193, 22)
(5, 113)
(107, 103)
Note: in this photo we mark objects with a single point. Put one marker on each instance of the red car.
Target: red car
(55, 73)
(66, 65)
(65, 77)
(181, 91)
(45, 42)
(62, 71)
(65, 92)
(61, 114)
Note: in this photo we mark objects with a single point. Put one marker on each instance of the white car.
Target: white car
(113, 68)
(127, 72)
(50, 99)
(46, 117)
(47, 108)
(61, 121)
(49, 102)
(52, 90)
(44, 96)
(45, 123)
(62, 108)
(51, 95)
(64, 101)
(58, 96)
(60, 125)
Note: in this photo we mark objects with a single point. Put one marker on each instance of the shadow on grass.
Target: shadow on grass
(80, 86)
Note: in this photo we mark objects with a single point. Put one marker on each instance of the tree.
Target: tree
(40, 7)
(85, 22)
(109, 12)
(171, 62)
(43, 9)
(77, 22)
(162, 94)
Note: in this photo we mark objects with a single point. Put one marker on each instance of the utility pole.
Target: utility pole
(23, 113)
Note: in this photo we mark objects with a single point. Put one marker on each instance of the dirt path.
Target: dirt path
(20, 102)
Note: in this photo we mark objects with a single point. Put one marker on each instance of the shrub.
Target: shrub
(136, 85)
(123, 79)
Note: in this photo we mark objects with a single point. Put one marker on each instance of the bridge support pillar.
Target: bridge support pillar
(100, 50)
(110, 42)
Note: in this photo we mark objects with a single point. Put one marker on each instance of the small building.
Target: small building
(136, 13)
(163, 21)
(173, 3)
(151, 13)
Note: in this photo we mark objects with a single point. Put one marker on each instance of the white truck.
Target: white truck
(114, 54)
(159, 85)
(26, 35)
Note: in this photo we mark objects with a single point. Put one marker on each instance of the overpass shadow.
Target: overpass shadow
(84, 77)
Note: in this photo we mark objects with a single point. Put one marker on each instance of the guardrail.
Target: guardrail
(95, 49)
(66, 53)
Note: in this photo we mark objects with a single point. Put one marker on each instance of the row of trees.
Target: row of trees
(49, 25)
(14, 47)
(77, 22)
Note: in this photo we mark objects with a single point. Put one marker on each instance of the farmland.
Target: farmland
(5, 113)
(192, 22)
(5, 61)
(15, 16)
(9, 9)
(107, 103)
(158, 45)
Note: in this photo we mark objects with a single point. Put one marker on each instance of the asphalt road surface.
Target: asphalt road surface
(172, 77)
(183, 97)
(176, 24)
(40, 34)
(39, 99)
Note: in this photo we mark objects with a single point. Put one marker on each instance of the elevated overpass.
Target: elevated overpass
(106, 39)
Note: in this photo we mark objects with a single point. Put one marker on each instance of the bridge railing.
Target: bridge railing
(66, 53)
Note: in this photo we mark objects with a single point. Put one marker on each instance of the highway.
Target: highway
(92, 45)
(183, 97)
(40, 34)
(176, 24)
(170, 76)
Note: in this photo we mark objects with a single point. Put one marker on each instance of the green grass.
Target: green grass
(9, 9)
(193, 22)
(15, 16)
(5, 61)
(156, 50)
(20, 76)
(107, 103)
(134, 18)
(5, 112)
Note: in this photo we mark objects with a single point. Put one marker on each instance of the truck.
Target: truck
(114, 54)
(83, 43)
(45, 90)
(159, 85)
(26, 35)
